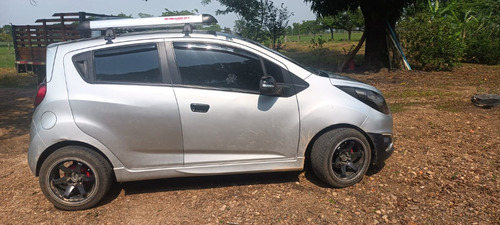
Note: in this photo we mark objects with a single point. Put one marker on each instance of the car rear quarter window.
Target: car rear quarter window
(130, 64)
(83, 65)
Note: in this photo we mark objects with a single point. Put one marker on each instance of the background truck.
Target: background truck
(31, 41)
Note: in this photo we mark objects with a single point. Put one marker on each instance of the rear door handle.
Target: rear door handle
(199, 108)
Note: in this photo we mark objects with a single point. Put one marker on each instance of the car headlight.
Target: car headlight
(371, 98)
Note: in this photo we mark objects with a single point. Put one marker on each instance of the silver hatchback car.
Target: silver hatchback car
(152, 105)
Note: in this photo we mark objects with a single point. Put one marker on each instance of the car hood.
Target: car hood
(339, 80)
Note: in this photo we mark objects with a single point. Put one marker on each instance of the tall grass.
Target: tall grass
(10, 78)
(7, 57)
(8, 75)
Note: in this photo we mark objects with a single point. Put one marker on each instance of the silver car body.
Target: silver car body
(151, 131)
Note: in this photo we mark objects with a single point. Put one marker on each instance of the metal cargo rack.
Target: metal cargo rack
(31, 41)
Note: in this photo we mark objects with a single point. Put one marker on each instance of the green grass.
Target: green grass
(8, 76)
(449, 107)
(4, 44)
(7, 58)
(397, 107)
(355, 36)
(412, 93)
(329, 57)
(401, 107)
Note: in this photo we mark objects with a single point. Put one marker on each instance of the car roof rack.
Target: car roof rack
(152, 22)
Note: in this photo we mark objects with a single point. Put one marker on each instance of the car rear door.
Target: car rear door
(121, 96)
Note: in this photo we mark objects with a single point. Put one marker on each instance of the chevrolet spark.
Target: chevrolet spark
(156, 104)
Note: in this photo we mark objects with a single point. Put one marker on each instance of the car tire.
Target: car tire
(341, 157)
(75, 178)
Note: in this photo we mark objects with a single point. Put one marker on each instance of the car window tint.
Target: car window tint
(274, 70)
(83, 65)
(218, 66)
(132, 64)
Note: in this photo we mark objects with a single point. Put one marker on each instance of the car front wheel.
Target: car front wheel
(75, 178)
(341, 157)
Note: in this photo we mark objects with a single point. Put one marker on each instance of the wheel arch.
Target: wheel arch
(307, 153)
(63, 144)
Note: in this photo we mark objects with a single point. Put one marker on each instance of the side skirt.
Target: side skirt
(125, 175)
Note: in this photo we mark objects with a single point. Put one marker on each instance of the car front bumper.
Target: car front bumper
(383, 147)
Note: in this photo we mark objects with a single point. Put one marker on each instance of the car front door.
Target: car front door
(224, 117)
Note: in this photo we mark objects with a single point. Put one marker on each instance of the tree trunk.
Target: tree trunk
(353, 53)
(376, 53)
(331, 32)
(349, 34)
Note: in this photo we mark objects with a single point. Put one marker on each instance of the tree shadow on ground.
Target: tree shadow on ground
(16, 109)
(218, 181)
(197, 183)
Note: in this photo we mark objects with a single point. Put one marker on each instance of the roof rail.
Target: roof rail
(152, 22)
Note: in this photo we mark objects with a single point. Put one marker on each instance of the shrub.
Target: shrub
(431, 43)
(483, 46)
(317, 48)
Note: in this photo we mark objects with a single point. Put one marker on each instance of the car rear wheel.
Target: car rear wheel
(341, 157)
(75, 178)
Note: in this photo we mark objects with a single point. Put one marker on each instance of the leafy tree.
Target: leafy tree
(297, 29)
(227, 30)
(213, 27)
(251, 17)
(311, 27)
(306, 27)
(258, 20)
(6, 35)
(239, 27)
(276, 22)
(349, 20)
(6, 29)
(249, 30)
(123, 15)
(289, 30)
(328, 22)
(145, 15)
(377, 14)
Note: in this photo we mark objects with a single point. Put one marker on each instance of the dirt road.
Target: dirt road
(445, 170)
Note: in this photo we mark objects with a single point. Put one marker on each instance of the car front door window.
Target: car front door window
(218, 67)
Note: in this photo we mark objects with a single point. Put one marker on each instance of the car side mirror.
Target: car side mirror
(268, 86)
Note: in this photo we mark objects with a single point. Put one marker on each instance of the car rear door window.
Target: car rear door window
(131, 64)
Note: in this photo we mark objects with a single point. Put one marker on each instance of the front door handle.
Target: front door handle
(199, 108)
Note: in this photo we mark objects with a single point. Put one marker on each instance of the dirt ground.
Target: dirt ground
(445, 170)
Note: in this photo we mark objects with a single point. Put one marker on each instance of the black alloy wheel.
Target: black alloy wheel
(75, 178)
(341, 157)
